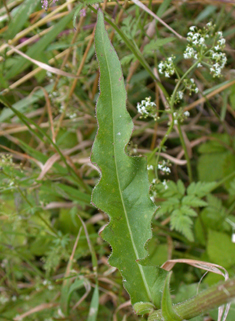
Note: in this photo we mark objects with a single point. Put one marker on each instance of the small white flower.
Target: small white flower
(165, 184)
(167, 74)
(199, 65)
(201, 40)
(192, 28)
(175, 121)
(149, 167)
(180, 94)
(221, 41)
(187, 113)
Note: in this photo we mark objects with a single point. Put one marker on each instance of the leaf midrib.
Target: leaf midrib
(123, 203)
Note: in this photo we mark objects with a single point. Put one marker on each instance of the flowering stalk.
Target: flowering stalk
(172, 102)
(189, 168)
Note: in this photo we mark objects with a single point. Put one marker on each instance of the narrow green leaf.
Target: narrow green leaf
(42, 135)
(77, 10)
(24, 103)
(24, 11)
(74, 194)
(167, 309)
(206, 13)
(122, 191)
(94, 305)
(39, 47)
(67, 291)
(165, 4)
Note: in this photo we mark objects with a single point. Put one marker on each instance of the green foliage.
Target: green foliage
(181, 207)
(122, 191)
(216, 154)
(21, 16)
(220, 249)
(48, 264)
(168, 312)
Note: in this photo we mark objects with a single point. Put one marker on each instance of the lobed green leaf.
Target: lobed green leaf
(122, 191)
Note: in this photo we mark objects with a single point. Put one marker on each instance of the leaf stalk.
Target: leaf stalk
(215, 296)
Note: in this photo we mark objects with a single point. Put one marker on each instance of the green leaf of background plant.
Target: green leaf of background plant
(200, 189)
(24, 104)
(122, 191)
(94, 305)
(26, 8)
(182, 223)
(221, 249)
(154, 44)
(167, 309)
(193, 201)
(39, 47)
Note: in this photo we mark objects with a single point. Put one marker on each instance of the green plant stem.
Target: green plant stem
(189, 168)
(231, 208)
(209, 299)
(159, 148)
(172, 100)
(172, 125)
(225, 179)
(7, 10)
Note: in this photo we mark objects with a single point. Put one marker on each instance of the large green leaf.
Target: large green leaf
(221, 249)
(122, 191)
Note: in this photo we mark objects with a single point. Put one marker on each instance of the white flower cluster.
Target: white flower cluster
(147, 108)
(190, 86)
(190, 53)
(219, 60)
(179, 96)
(198, 49)
(167, 67)
(164, 167)
(198, 37)
(180, 115)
